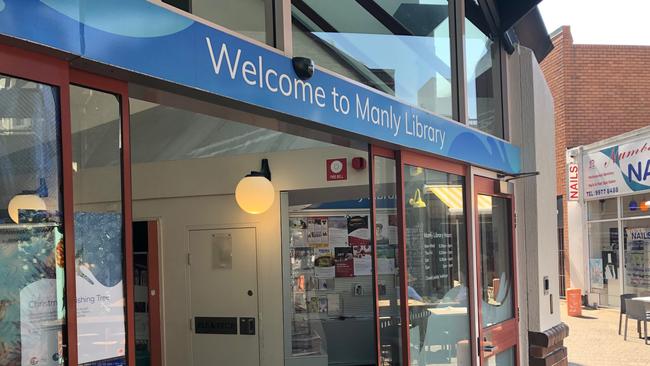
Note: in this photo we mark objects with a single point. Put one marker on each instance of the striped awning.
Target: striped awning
(452, 197)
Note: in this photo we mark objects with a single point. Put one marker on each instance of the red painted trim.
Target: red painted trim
(504, 335)
(120, 90)
(471, 272)
(403, 269)
(375, 276)
(28, 65)
(68, 225)
(155, 329)
(434, 163)
(383, 152)
(33, 66)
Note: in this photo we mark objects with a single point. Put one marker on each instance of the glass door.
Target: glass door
(436, 289)
(497, 295)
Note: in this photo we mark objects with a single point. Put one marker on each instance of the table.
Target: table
(646, 300)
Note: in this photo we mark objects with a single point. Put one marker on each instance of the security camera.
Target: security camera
(303, 66)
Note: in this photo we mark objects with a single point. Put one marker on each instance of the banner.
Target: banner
(617, 170)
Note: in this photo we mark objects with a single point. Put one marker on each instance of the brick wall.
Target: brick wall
(599, 91)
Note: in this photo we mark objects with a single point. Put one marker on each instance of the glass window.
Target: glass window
(32, 300)
(602, 209)
(496, 259)
(247, 17)
(635, 205)
(436, 252)
(96, 154)
(360, 40)
(482, 74)
(636, 257)
(388, 286)
(603, 261)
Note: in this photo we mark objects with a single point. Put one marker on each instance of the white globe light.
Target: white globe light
(254, 194)
(24, 202)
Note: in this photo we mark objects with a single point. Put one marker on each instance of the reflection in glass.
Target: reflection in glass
(603, 262)
(32, 300)
(330, 265)
(505, 358)
(399, 47)
(496, 259)
(436, 250)
(247, 17)
(96, 152)
(387, 238)
(482, 73)
(603, 209)
(635, 205)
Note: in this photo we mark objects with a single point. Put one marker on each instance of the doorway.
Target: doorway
(224, 296)
(146, 288)
(498, 315)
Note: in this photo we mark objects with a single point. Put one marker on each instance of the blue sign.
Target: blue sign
(145, 38)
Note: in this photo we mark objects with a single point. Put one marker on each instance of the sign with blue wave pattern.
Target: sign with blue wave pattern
(145, 38)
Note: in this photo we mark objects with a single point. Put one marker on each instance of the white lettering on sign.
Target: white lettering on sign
(254, 73)
(573, 183)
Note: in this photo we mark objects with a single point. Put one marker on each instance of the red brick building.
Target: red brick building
(599, 91)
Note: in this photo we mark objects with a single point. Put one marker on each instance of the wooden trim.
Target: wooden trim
(403, 269)
(120, 90)
(153, 267)
(431, 162)
(474, 312)
(383, 152)
(33, 66)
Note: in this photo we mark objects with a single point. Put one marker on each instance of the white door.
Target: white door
(223, 288)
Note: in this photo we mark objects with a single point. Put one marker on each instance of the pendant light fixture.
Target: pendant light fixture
(255, 193)
(416, 201)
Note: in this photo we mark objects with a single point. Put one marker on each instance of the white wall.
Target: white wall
(200, 192)
(532, 128)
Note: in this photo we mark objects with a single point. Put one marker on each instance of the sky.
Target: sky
(600, 21)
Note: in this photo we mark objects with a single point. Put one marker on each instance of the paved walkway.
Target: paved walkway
(594, 341)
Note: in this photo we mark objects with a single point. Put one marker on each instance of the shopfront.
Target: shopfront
(614, 204)
(177, 193)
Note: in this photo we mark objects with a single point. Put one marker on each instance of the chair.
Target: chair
(620, 316)
(638, 311)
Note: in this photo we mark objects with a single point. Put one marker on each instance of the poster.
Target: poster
(338, 231)
(637, 258)
(298, 229)
(386, 229)
(100, 291)
(386, 259)
(324, 264)
(344, 260)
(362, 260)
(358, 232)
(596, 273)
(31, 295)
(317, 232)
(302, 258)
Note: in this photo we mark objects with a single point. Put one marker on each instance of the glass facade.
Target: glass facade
(32, 261)
(619, 249)
(360, 40)
(341, 300)
(388, 270)
(436, 252)
(496, 260)
(97, 174)
(482, 74)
